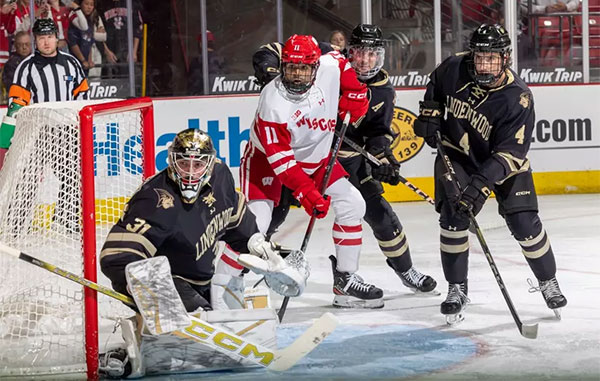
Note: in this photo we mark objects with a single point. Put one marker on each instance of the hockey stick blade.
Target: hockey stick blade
(309, 340)
(529, 331)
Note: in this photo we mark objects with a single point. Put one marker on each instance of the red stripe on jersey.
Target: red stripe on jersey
(347, 242)
(347, 228)
(231, 262)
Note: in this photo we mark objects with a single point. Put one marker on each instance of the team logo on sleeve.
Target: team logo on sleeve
(209, 199)
(525, 100)
(407, 144)
(165, 199)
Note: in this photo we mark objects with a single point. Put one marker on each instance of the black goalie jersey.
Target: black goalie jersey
(157, 222)
(490, 129)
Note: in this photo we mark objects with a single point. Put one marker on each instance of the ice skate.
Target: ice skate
(415, 281)
(553, 297)
(351, 291)
(456, 303)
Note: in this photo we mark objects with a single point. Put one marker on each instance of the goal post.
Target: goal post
(69, 171)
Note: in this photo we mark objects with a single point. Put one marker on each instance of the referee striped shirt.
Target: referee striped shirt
(48, 79)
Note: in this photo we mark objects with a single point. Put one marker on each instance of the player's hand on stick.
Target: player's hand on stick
(389, 170)
(354, 102)
(312, 201)
(429, 121)
(473, 196)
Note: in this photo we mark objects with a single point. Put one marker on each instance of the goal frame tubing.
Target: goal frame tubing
(88, 205)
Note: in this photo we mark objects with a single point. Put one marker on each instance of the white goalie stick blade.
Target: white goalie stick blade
(237, 346)
(313, 336)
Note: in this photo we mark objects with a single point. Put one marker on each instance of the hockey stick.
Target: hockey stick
(378, 163)
(211, 335)
(528, 331)
(324, 183)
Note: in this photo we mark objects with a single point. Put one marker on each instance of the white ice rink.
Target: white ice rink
(408, 338)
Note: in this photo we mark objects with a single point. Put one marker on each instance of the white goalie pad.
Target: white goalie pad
(168, 354)
(288, 278)
(151, 285)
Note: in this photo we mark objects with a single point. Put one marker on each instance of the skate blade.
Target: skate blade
(454, 319)
(557, 313)
(344, 301)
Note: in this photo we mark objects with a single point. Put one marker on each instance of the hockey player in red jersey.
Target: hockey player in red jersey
(289, 145)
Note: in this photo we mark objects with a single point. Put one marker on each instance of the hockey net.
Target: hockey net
(68, 174)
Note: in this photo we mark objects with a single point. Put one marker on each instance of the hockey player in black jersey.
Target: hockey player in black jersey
(487, 133)
(182, 213)
(366, 53)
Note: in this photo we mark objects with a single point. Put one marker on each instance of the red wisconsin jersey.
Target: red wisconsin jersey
(295, 132)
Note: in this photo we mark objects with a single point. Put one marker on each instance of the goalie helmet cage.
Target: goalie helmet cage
(69, 172)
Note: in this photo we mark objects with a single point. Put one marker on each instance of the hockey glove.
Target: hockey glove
(3, 152)
(286, 277)
(389, 170)
(312, 201)
(429, 121)
(473, 196)
(354, 102)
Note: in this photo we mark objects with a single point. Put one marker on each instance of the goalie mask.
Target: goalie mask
(489, 54)
(366, 51)
(299, 63)
(191, 161)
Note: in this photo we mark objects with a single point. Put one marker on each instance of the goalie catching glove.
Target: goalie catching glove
(287, 276)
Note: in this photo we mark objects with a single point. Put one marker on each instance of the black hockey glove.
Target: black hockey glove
(473, 196)
(389, 170)
(429, 121)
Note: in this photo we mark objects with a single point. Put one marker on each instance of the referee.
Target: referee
(48, 75)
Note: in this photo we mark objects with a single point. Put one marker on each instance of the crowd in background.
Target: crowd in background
(94, 31)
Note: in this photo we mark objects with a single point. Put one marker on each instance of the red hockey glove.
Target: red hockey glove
(3, 152)
(354, 102)
(312, 201)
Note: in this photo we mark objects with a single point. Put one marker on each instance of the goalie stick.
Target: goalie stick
(211, 335)
(528, 331)
(324, 183)
(378, 163)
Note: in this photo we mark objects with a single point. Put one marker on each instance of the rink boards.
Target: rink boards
(564, 154)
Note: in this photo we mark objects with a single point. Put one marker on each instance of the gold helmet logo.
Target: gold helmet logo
(407, 144)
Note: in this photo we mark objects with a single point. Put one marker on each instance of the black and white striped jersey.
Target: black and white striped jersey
(48, 79)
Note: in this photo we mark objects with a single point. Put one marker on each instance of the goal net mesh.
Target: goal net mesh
(42, 323)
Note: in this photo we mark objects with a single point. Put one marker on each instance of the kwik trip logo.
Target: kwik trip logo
(407, 144)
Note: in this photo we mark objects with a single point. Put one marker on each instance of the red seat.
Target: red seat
(550, 37)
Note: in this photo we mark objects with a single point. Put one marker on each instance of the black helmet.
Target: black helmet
(44, 26)
(489, 39)
(366, 35)
(191, 161)
(366, 41)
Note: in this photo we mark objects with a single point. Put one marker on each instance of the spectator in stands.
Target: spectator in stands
(18, 18)
(114, 18)
(549, 6)
(6, 9)
(216, 65)
(337, 39)
(22, 50)
(82, 41)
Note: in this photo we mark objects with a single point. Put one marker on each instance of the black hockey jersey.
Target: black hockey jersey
(157, 222)
(375, 129)
(490, 128)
